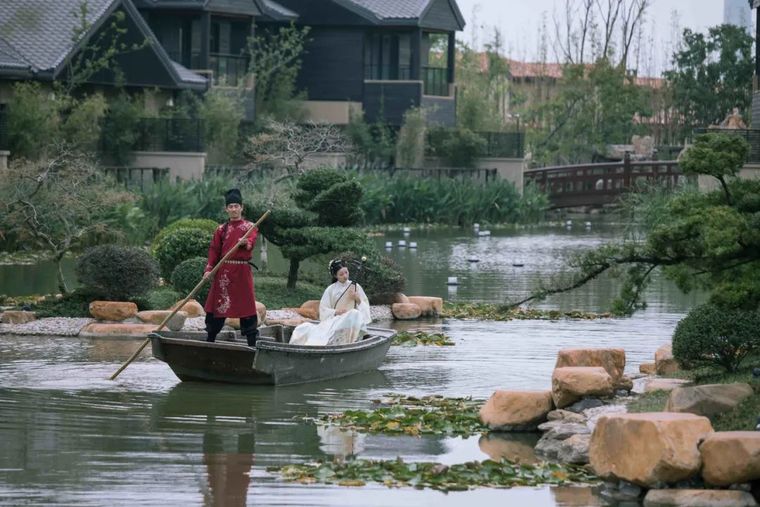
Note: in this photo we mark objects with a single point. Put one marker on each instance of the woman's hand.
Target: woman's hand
(355, 295)
(341, 311)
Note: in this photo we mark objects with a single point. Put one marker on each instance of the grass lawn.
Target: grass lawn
(742, 418)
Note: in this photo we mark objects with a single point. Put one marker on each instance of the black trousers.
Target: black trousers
(248, 328)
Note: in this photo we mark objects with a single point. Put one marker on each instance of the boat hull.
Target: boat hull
(272, 362)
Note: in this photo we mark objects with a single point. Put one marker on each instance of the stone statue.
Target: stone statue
(733, 120)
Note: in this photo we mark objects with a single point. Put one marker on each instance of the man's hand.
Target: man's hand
(206, 275)
(243, 243)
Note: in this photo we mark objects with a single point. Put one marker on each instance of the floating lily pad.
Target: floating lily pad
(459, 477)
(413, 338)
(488, 311)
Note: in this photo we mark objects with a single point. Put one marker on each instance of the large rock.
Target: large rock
(430, 307)
(731, 457)
(309, 310)
(698, 498)
(192, 308)
(405, 311)
(17, 317)
(104, 330)
(516, 410)
(665, 445)
(664, 362)
(399, 298)
(573, 449)
(665, 384)
(612, 360)
(157, 317)
(648, 368)
(113, 310)
(571, 383)
(708, 399)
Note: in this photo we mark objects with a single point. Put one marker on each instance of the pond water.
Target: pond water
(69, 436)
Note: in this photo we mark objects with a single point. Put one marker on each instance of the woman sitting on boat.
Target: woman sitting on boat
(343, 313)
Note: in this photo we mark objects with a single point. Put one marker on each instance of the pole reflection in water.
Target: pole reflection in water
(229, 469)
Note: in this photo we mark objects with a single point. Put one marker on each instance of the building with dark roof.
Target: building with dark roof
(375, 56)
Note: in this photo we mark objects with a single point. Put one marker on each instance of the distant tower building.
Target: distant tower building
(739, 13)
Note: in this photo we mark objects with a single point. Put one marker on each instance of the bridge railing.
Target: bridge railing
(599, 184)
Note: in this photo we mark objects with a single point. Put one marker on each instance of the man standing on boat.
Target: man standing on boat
(232, 293)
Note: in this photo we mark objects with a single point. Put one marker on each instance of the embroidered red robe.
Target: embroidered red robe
(232, 293)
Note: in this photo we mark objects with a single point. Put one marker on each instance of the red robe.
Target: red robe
(231, 293)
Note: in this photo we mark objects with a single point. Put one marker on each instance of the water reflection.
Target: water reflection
(515, 447)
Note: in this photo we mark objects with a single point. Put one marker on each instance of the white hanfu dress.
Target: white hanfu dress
(336, 329)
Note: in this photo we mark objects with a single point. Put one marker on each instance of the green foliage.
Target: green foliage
(222, 113)
(73, 304)
(482, 90)
(460, 477)
(372, 145)
(121, 129)
(186, 276)
(712, 335)
(203, 224)
(332, 195)
(653, 401)
(715, 155)
(459, 147)
(270, 291)
(81, 128)
(378, 274)
(116, 273)
(410, 146)
(712, 74)
(401, 199)
(180, 245)
(411, 339)
(161, 298)
(414, 416)
(275, 62)
(709, 241)
(593, 107)
(33, 120)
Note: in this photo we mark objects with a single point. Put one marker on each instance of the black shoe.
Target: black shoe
(211, 339)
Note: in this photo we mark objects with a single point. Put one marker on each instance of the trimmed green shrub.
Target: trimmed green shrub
(379, 276)
(117, 273)
(73, 304)
(180, 245)
(161, 298)
(187, 275)
(709, 335)
(203, 224)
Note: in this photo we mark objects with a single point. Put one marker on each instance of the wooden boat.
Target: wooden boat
(273, 361)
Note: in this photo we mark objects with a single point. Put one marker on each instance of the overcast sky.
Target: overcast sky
(519, 22)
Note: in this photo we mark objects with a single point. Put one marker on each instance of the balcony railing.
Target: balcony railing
(388, 72)
(229, 70)
(436, 81)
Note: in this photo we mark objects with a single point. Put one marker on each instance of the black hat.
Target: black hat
(233, 196)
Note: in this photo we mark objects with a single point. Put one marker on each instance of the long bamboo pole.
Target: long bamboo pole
(190, 296)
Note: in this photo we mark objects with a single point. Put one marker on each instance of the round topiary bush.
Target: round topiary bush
(710, 335)
(180, 245)
(379, 276)
(203, 224)
(117, 273)
(187, 275)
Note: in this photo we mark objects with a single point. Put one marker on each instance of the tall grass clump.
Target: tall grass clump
(406, 199)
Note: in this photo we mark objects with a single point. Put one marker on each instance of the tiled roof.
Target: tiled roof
(42, 31)
(9, 57)
(391, 9)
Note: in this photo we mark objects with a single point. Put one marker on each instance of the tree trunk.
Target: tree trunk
(264, 254)
(61, 280)
(293, 273)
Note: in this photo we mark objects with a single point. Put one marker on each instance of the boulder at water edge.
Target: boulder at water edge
(698, 498)
(157, 317)
(648, 368)
(648, 449)
(17, 317)
(405, 311)
(664, 384)
(113, 310)
(664, 362)
(117, 330)
(192, 308)
(707, 399)
(612, 360)
(516, 410)
(430, 307)
(571, 383)
(731, 457)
